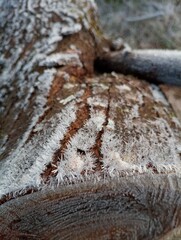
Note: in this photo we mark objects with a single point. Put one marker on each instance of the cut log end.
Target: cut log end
(114, 208)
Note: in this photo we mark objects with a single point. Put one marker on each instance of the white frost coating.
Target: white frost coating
(38, 127)
(22, 25)
(97, 101)
(115, 75)
(74, 166)
(30, 35)
(179, 148)
(134, 112)
(71, 168)
(28, 38)
(142, 149)
(140, 98)
(55, 39)
(61, 59)
(69, 85)
(130, 115)
(83, 140)
(43, 85)
(158, 95)
(70, 98)
(67, 30)
(27, 165)
(110, 149)
(78, 156)
(111, 124)
(97, 85)
(176, 121)
(118, 164)
(123, 87)
(104, 86)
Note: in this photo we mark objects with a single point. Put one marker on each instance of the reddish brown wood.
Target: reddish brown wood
(174, 97)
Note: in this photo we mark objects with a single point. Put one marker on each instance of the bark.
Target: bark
(83, 155)
(156, 66)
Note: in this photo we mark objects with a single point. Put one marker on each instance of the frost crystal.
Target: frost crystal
(61, 59)
(24, 167)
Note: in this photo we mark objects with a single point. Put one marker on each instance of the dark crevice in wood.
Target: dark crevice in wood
(82, 116)
(81, 152)
(97, 147)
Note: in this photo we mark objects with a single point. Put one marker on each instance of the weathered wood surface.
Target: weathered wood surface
(124, 208)
(80, 151)
(173, 95)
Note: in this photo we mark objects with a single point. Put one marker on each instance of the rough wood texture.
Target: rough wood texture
(80, 151)
(174, 96)
(125, 208)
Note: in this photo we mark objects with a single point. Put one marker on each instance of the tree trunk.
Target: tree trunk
(83, 155)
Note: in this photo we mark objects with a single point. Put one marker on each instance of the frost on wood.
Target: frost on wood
(61, 59)
(26, 167)
(111, 127)
(34, 40)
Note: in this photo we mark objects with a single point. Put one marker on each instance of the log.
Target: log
(156, 66)
(84, 155)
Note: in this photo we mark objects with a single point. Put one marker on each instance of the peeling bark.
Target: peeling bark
(80, 151)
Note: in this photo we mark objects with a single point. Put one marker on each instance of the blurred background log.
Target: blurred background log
(155, 66)
(83, 155)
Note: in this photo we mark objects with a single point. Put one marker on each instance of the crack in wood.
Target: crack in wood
(82, 117)
(97, 147)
